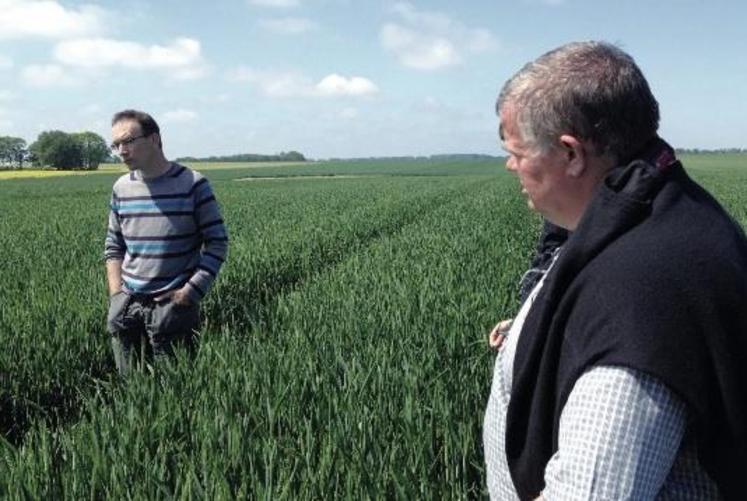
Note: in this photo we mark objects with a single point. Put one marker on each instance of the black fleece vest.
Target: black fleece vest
(655, 279)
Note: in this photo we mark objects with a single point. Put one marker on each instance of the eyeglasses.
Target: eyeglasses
(125, 142)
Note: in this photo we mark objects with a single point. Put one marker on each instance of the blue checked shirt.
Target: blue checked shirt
(623, 435)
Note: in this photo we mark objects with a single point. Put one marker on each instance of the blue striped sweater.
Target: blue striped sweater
(167, 231)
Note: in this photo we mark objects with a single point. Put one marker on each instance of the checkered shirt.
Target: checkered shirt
(623, 435)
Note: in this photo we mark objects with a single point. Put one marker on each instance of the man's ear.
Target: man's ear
(156, 138)
(575, 155)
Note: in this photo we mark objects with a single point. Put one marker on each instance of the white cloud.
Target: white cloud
(437, 21)
(349, 113)
(48, 19)
(418, 51)
(291, 84)
(281, 4)
(189, 73)
(47, 75)
(6, 95)
(179, 116)
(426, 41)
(288, 25)
(6, 125)
(92, 109)
(5, 62)
(338, 85)
(182, 57)
(481, 40)
(431, 103)
(211, 99)
(272, 83)
(241, 74)
(436, 109)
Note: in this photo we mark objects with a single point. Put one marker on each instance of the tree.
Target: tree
(57, 149)
(12, 151)
(294, 156)
(93, 149)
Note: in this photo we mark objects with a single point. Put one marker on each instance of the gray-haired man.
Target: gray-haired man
(623, 375)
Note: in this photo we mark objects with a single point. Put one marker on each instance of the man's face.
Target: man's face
(135, 149)
(542, 174)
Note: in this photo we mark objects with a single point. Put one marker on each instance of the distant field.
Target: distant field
(343, 352)
(716, 161)
(711, 162)
(121, 168)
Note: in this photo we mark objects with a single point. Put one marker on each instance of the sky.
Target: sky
(349, 78)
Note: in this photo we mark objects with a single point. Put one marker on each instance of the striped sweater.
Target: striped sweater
(167, 231)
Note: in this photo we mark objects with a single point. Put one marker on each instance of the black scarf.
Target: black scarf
(655, 279)
(551, 238)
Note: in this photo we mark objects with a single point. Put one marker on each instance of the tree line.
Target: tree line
(698, 151)
(445, 157)
(290, 156)
(55, 149)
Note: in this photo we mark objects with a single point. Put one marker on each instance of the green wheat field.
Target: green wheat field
(343, 351)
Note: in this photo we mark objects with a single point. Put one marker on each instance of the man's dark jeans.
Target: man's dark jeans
(143, 329)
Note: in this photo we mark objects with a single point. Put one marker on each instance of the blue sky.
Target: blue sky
(347, 78)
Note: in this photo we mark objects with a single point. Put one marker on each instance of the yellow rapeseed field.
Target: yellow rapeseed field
(36, 173)
(108, 169)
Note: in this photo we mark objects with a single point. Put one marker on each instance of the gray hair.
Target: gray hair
(591, 90)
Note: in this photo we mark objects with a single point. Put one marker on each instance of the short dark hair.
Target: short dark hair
(147, 124)
(592, 90)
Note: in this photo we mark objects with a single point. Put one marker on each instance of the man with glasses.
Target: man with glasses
(165, 245)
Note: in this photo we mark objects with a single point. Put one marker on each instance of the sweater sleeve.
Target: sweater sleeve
(114, 245)
(214, 240)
